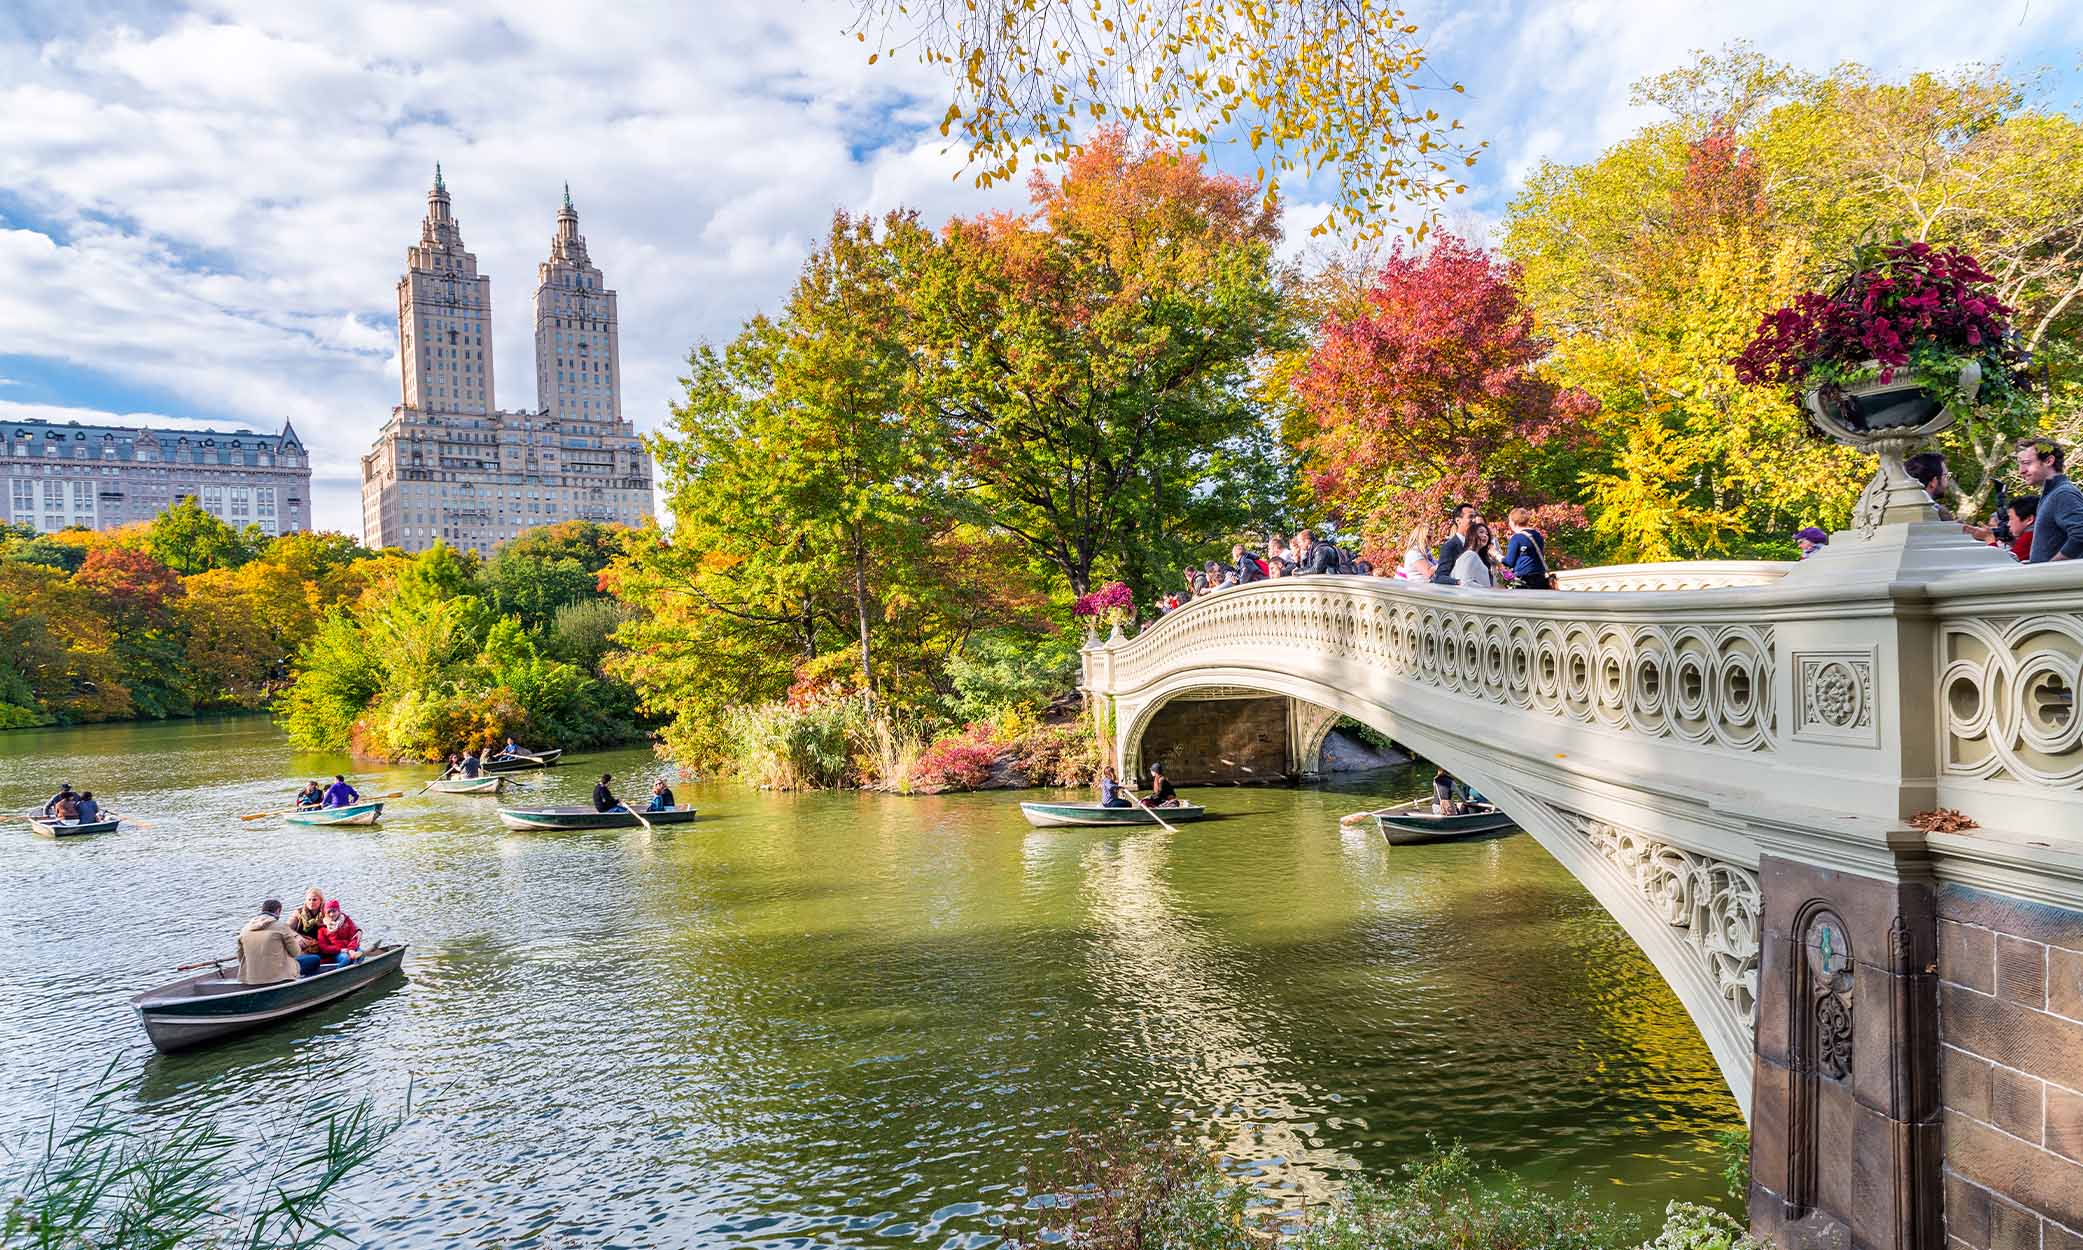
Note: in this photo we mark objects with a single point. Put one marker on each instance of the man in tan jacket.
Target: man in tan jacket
(268, 948)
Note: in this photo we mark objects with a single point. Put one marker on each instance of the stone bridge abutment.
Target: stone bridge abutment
(1728, 757)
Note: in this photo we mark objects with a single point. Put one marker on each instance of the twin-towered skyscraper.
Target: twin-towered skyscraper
(450, 464)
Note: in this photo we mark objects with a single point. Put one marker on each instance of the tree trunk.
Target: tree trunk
(860, 608)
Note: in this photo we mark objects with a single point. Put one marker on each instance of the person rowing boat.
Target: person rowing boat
(312, 795)
(64, 795)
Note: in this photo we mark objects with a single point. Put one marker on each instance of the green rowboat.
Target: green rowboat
(1415, 822)
(562, 818)
(52, 827)
(212, 1005)
(517, 762)
(1051, 815)
(468, 785)
(352, 814)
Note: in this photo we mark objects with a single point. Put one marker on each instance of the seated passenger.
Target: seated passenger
(68, 806)
(312, 795)
(1161, 792)
(50, 805)
(1443, 803)
(89, 810)
(339, 942)
(661, 797)
(267, 948)
(470, 767)
(340, 794)
(604, 799)
(1110, 789)
(308, 919)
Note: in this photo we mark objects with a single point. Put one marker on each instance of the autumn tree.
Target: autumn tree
(1090, 363)
(1426, 394)
(187, 539)
(1650, 266)
(1306, 85)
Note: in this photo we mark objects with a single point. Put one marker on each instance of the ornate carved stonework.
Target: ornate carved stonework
(1718, 906)
(1833, 697)
(2008, 698)
(1708, 682)
(1826, 948)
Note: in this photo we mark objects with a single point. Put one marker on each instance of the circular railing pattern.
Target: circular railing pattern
(2008, 699)
(1708, 683)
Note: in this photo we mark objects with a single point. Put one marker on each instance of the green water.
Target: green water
(840, 1019)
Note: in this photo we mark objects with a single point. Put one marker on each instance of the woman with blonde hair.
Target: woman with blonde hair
(1417, 555)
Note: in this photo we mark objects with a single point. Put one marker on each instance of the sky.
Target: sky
(204, 208)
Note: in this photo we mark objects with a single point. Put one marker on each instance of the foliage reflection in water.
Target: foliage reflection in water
(842, 1015)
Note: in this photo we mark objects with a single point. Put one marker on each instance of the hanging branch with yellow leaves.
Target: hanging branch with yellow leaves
(1309, 85)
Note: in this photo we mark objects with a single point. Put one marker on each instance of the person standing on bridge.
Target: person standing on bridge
(2057, 525)
(1465, 518)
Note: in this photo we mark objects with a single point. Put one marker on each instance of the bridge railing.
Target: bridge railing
(1866, 698)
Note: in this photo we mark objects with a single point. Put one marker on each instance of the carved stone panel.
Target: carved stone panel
(1834, 697)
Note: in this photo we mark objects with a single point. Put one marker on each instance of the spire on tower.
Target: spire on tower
(567, 199)
(439, 185)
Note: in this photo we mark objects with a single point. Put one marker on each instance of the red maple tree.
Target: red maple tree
(1429, 397)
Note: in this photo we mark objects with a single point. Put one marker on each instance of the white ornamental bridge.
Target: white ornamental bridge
(1727, 756)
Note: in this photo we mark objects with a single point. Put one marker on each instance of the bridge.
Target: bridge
(1729, 755)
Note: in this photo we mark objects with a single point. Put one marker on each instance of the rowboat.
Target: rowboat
(52, 827)
(553, 818)
(214, 1004)
(1415, 821)
(468, 785)
(515, 763)
(1049, 815)
(351, 814)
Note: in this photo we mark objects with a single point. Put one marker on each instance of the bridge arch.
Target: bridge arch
(1694, 916)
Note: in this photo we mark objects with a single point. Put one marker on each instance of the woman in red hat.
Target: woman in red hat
(338, 942)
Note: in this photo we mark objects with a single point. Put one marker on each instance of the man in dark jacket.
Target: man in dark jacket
(1312, 556)
(1465, 518)
(2057, 525)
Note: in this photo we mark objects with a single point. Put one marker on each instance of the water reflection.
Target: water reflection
(841, 1016)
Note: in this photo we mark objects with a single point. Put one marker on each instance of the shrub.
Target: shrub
(1058, 755)
(1444, 1202)
(1122, 1192)
(1690, 1226)
(1003, 670)
(776, 746)
(962, 761)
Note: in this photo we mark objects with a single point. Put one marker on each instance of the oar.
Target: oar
(367, 798)
(1354, 818)
(639, 818)
(207, 963)
(1152, 813)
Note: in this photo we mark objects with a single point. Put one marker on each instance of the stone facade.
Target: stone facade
(1219, 740)
(450, 465)
(102, 476)
(2011, 1058)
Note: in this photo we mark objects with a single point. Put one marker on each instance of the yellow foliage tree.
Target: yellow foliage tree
(1307, 85)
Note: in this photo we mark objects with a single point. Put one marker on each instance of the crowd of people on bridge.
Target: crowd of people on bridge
(1470, 554)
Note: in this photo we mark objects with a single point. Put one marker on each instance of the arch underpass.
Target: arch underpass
(1727, 757)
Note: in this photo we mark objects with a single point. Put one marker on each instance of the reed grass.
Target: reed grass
(94, 1177)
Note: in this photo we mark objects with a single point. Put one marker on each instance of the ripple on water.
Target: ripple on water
(840, 1018)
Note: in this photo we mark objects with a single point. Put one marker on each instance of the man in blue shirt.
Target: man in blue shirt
(340, 794)
(2057, 527)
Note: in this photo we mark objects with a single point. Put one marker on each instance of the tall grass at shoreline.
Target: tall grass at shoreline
(90, 1178)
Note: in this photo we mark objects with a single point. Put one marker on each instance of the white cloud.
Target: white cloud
(213, 203)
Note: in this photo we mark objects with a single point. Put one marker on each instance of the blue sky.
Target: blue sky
(204, 209)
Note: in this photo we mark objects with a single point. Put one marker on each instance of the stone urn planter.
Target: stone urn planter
(1890, 419)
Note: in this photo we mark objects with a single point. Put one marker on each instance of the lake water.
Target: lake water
(839, 1018)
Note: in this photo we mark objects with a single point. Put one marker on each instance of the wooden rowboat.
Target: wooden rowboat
(52, 827)
(213, 1004)
(1050, 815)
(1415, 822)
(515, 763)
(554, 818)
(352, 814)
(468, 785)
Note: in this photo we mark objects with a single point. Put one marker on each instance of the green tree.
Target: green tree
(1092, 363)
(187, 539)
